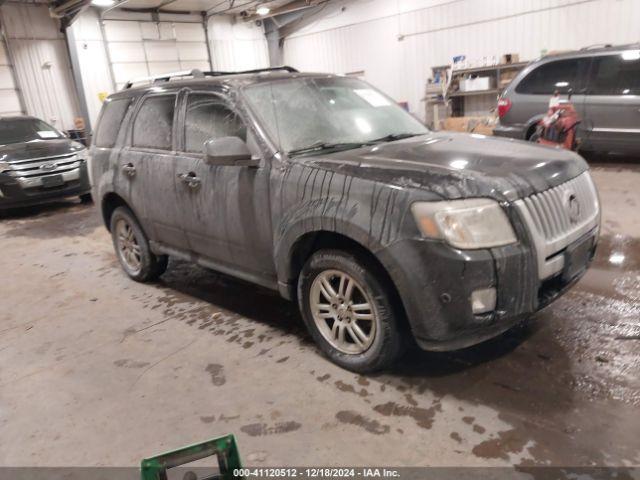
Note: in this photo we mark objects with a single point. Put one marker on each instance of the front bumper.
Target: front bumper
(517, 132)
(21, 192)
(435, 283)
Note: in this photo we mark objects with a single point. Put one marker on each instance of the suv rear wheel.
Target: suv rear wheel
(347, 310)
(132, 247)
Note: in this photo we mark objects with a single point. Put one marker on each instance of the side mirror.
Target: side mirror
(228, 151)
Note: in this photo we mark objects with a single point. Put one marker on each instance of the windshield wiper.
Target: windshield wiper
(322, 146)
(393, 137)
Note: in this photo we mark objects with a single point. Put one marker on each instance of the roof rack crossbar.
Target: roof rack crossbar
(165, 77)
(257, 70)
(195, 73)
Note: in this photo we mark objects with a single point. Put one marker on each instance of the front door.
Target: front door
(148, 164)
(225, 209)
(613, 103)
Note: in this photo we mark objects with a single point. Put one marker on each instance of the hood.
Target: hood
(37, 149)
(456, 165)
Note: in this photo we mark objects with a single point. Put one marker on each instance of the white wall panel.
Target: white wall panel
(365, 36)
(139, 47)
(237, 45)
(41, 63)
(92, 57)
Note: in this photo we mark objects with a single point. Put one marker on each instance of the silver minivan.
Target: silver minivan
(604, 84)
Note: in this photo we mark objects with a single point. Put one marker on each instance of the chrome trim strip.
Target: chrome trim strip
(15, 162)
(40, 173)
(30, 182)
(616, 130)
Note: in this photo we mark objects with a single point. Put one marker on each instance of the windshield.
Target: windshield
(304, 115)
(16, 130)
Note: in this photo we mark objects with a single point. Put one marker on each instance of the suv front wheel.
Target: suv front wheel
(348, 311)
(132, 247)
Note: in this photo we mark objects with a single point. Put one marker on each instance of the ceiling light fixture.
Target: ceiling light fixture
(263, 10)
(103, 3)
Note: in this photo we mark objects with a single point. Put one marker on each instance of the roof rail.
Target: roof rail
(597, 45)
(195, 73)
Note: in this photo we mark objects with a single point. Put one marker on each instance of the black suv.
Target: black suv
(323, 188)
(38, 164)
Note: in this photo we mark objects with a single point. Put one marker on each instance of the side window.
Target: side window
(208, 117)
(560, 75)
(112, 115)
(616, 74)
(153, 125)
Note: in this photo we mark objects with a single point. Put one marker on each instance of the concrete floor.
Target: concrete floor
(96, 369)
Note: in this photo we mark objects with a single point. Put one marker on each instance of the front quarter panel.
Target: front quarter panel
(307, 198)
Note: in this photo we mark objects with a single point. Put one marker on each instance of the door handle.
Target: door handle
(129, 170)
(190, 179)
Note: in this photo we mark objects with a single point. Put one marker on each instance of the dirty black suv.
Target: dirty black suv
(321, 187)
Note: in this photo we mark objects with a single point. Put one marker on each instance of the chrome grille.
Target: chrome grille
(36, 167)
(559, 216)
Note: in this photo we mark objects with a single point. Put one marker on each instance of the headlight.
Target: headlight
(465, 224)
(83, 154)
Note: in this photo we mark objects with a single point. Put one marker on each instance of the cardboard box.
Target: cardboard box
(482, 125)
(475, 84)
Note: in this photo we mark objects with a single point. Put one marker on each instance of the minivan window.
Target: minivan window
(207, 117)
(616, 74)
(561, 75)
(153, 125)
(18, 130)
(110, 122)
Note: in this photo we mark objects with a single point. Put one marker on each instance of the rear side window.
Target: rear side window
(561, 75)
(616, 74)
(153, 125)
(110, 122)
(208, 117)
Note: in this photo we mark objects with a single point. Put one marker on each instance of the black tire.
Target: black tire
(150, 266)
(86, 198)
(388, 343)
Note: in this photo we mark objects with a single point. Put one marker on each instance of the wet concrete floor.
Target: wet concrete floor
(96, 369)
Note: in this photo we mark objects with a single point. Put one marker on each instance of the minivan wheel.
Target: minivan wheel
(86, 198)
(132, 248)
(347, 310)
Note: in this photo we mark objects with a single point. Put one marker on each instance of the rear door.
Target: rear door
(147, 165)
(613, 103)
(225, 208)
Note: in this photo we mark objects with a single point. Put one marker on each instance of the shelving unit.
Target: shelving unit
(457, 99)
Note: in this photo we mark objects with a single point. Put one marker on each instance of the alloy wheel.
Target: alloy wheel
(128, 247)
(343, 312)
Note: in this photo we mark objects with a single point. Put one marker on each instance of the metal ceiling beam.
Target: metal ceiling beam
(113, 7)
(294, 6)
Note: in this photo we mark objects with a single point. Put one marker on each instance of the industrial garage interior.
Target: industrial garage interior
(320, 239)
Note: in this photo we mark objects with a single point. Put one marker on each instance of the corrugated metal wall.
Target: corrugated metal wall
(395, 43)
(9, 95)
(42, 66)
